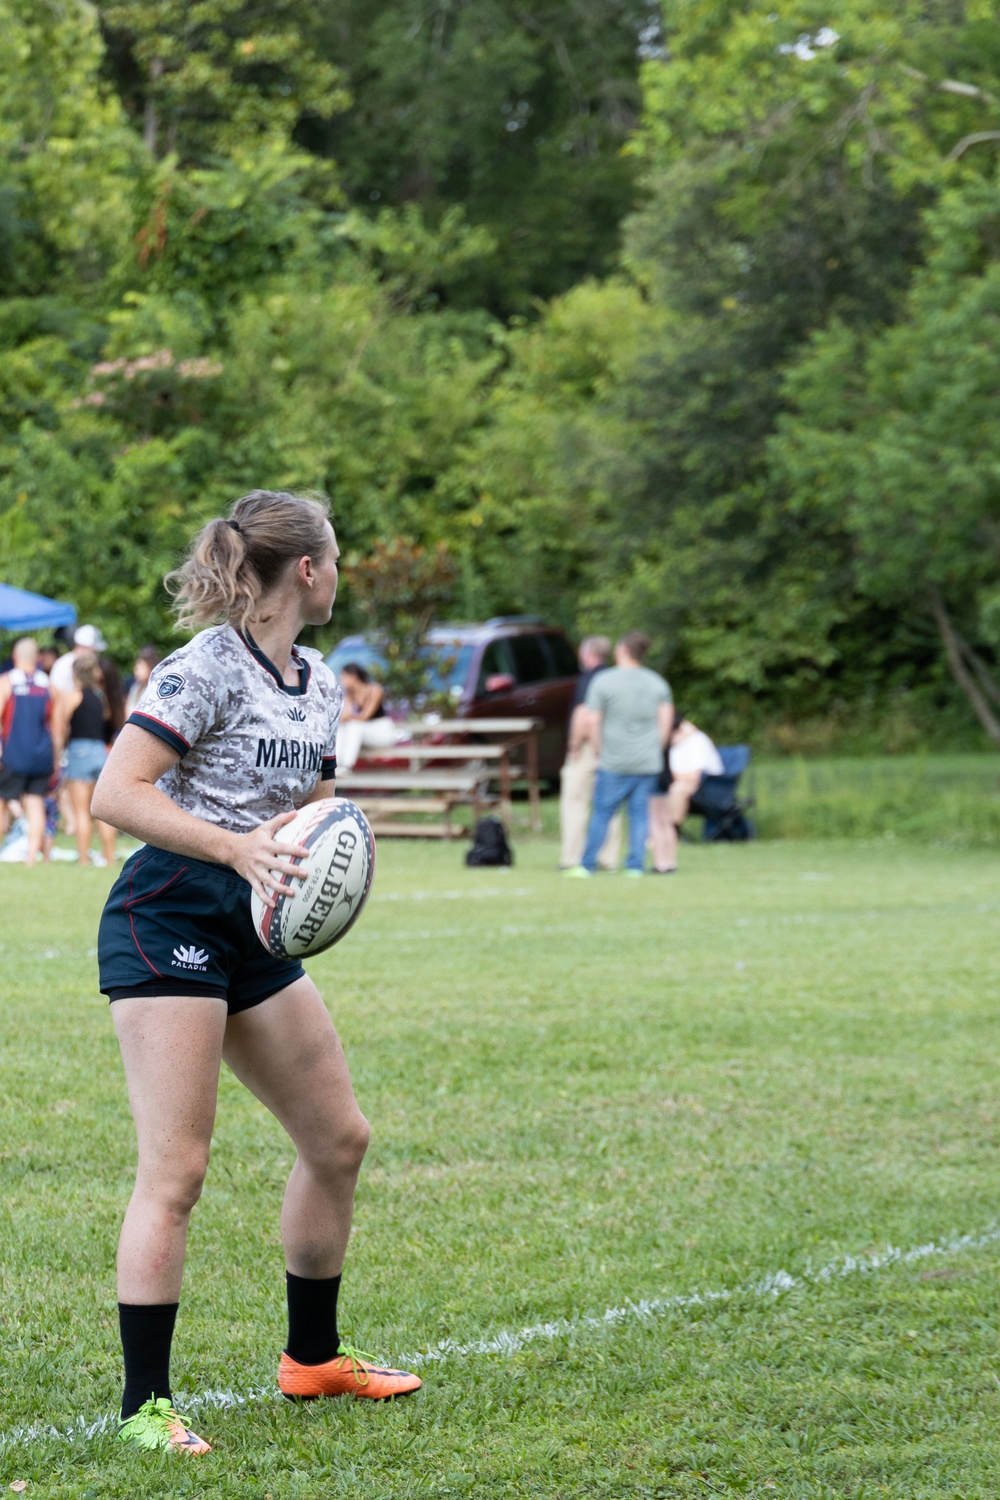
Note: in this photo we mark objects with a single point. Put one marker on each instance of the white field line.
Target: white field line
(770, 1285)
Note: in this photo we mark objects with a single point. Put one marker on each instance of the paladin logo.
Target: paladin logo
(298, 714)
(189, 958)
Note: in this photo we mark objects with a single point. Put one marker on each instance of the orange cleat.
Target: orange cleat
(348, 1374)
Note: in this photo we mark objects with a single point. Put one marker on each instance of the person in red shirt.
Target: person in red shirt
(26, 757)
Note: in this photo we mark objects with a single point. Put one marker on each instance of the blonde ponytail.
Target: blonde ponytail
(234, 562)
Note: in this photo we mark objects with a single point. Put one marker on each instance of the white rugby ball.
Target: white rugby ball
(315, 913)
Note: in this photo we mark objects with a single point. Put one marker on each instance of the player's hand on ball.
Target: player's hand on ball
(305, 917)
(266, 863)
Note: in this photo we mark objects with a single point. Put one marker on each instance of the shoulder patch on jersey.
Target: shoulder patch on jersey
(169, 686)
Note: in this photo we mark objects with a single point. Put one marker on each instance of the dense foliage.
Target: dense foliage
(682, 317)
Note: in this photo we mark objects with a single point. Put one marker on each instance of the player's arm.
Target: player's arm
(321, 791)
(126, 796)
(336, 699)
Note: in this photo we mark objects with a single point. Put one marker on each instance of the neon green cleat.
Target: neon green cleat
(157, 1425)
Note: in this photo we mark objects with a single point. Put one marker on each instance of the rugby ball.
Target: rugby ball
(315, 913)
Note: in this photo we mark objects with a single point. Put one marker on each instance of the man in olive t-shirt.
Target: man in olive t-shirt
(633, 716)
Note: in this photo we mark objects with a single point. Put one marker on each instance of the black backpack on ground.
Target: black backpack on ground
(489, 844)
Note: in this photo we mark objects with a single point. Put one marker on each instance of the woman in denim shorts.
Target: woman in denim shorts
(81, 727)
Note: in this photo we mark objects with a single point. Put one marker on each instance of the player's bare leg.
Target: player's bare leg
(287, 1052)
(171, 1048)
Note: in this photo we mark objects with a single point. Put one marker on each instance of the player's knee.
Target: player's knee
(361, 1134)
(343, 1149)
(351, 1144)
(180, 1187)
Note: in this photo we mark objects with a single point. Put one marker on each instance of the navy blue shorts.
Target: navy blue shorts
(179, 926)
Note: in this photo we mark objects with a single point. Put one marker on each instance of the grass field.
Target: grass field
(949, 800)
(583, 1095)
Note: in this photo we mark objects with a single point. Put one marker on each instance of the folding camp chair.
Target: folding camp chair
(718, 799)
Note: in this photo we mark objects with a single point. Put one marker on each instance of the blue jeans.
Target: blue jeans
(611, 789)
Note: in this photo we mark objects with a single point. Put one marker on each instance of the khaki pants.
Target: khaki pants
(576, 790)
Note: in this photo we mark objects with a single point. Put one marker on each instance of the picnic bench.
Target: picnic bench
(387, 796)
(421, 776)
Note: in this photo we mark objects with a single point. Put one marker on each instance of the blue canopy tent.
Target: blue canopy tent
(20, 610)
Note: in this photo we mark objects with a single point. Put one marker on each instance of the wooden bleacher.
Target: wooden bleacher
(389, 798)
(402, 786)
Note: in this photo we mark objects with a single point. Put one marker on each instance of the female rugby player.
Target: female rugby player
(235, 731)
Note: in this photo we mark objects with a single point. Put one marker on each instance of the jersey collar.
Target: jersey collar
(268, 665)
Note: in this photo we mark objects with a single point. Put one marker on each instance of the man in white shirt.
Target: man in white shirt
(85, 638)
(692, 756)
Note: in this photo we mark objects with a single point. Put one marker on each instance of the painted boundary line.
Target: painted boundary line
(771, 1285)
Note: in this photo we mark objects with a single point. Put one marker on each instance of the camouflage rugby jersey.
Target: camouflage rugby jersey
(250, 745)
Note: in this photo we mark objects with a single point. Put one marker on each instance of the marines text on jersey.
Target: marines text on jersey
(250, 745)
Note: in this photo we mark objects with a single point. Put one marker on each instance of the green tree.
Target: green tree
(401, 588)
(788, 172)
(67, 159)
(518, 114)
(895, 437)
(207, 79)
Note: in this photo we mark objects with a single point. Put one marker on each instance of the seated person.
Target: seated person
(690, 757)
(364, 720)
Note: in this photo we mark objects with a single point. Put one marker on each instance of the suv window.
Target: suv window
(530, 661)
(563, 656)
(496, 658)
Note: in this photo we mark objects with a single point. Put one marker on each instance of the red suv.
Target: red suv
(513, 666)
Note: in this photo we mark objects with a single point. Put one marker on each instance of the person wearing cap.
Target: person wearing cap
(85, 638)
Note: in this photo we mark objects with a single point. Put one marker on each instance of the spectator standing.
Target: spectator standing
(82, 727)
(113, 693)
(86, 638)
(26, 751)
(47, 658)
(633, 717)
(576, 781)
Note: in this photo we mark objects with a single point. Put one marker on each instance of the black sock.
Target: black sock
(146, 1334)
(312, 1319)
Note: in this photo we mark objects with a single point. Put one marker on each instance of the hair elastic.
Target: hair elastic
(234, 524)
